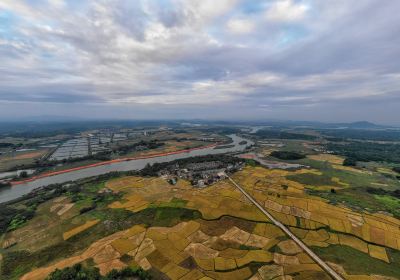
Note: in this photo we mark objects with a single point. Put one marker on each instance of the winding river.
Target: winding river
(7, 194)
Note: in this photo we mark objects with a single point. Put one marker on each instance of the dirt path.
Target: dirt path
(317, 259)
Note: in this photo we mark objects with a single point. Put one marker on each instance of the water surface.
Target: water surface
(10, 193)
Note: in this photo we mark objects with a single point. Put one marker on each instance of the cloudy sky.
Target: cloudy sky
(324, 60)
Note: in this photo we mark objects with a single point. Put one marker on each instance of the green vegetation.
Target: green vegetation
(17, 263)
(17, 221)
(9, 145)
(152, 170)
(370, 187)
(175, 203)
(313, 179)
(356, 262)
(277, 134)
(382, 192)
(363, 134)
(167, 216)
(79, 272)
(390, 201)
(349, 162)
(359, 191)
(287, 155)
(251, 162)
(11, 218)
(4, 184)
(142, 145)
(367, 151)
(359, 199)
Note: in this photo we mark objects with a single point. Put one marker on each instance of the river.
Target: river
(10, 193)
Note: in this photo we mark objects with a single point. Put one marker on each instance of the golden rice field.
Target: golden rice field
(249, 246)
(292, 207)
(169, 250)
(213, 202)
(290, 204)
(327, 157)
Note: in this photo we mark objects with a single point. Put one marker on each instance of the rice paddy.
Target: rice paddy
(231, 239)
(168, 249)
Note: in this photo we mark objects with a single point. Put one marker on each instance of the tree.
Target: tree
(4, 184)
(23, 174)
(349, 162)
(286, 155)
(79, 272)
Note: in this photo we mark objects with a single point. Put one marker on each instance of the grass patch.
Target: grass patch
(246, 247)
(388, 200)
(175, 203)
(359, 199)
(356, 262)
(313, 179)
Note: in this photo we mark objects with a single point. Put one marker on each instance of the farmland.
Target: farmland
(158, 220)
(54, 151)
(183, 233)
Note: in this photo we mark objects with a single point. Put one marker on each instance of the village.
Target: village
(200, 174)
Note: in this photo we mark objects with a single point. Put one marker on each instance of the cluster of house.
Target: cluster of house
(200, 174)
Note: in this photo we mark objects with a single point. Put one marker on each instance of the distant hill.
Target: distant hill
(362, 125)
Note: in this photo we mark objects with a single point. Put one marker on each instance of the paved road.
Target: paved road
(320, 262)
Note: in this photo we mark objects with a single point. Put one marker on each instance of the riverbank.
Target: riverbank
(25, 186)
(53, 173)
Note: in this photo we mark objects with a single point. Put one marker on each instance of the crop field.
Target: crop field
(316, 221)
(328, 157)
(19, 158)
(182, 232)
(79, 229)
(213, 202)
(170, 146)
(189, 250)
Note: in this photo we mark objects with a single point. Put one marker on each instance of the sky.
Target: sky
(320, 60)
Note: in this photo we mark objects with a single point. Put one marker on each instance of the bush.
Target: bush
(128, 273)
(251, 162)
(87, 209)
(349, 162)
(396, 169)
(11, 218)
(380, 191)
(4, 184)
(23, 174)
(78, 272)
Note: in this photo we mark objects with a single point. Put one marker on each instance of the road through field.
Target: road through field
(302, 245)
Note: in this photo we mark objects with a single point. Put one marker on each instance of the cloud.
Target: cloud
(177, 54)
(240, 26)
(286, 10)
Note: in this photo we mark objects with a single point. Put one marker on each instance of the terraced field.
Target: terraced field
(229, 238)
(323, 225)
